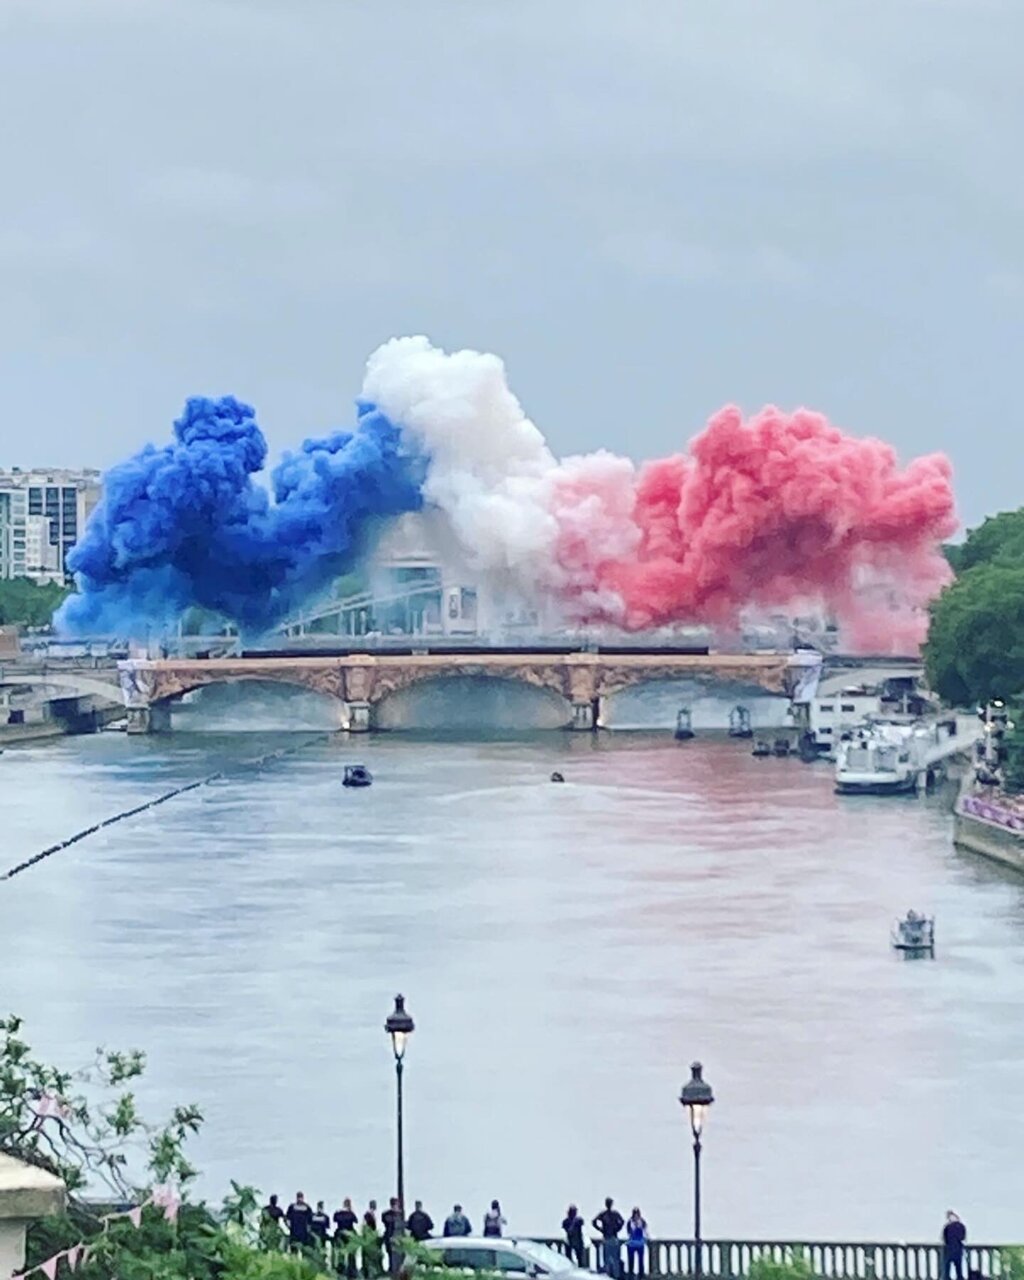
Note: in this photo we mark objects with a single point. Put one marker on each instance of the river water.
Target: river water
(566, 951)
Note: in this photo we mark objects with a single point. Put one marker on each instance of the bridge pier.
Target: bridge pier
(154, 718)
(584, 715)
(358, 717)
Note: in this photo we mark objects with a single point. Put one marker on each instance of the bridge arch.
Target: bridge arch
(461, 699)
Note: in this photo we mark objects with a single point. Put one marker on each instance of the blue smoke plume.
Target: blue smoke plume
(187, 524)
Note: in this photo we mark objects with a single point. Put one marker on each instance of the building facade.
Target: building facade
(42, 515)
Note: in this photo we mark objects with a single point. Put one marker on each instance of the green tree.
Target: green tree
(975, 648)
(27, 603)
(998, 539)
(84, 1125)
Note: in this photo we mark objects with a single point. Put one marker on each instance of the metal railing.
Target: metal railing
(832, 1260)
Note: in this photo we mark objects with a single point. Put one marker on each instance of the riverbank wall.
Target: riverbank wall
(17, 735)
(985, 826)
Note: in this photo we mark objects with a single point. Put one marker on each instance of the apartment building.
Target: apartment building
(42, 513)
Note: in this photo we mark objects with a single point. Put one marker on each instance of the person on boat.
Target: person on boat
(345, 1223)
(572, 1225)
(636, 1242)
(270, 1224)
(954, 1237)
(300, 1222)
(420, 1222)
(457, 1224)
(493, 1221)
(609, 1223)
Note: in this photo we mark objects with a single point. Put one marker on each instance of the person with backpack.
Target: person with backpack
(493, 1221)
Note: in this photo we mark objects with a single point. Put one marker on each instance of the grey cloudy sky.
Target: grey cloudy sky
(647, 208)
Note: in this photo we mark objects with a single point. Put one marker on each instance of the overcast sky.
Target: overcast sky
(647, 208)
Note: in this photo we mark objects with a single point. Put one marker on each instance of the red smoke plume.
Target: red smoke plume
(784, 509)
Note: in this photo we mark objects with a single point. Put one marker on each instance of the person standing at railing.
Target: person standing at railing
(954, 1237)
(609, 1223)
(636, 1242)
(572, 1225)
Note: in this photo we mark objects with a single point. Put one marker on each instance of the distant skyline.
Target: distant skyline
(647, 210)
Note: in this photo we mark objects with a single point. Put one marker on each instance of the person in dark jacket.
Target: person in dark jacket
(572, 1225)
(457, 1224)
(300, 1222)
(954, 1237)
(420, 1222)
(609, 1223)
(270, 1224)
(394, 1226)
(345, 1223)
(320, 1224)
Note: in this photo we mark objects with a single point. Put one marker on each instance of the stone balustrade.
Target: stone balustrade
(832, 1260)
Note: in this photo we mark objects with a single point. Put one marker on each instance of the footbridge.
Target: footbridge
(361, 680)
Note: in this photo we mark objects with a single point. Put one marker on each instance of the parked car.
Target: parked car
(503, 1253)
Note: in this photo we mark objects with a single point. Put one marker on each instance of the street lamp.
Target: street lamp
(399, 1027)
(696, 1097)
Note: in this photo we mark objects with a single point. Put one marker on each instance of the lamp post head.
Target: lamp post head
(399, 1027)
(696, 1096)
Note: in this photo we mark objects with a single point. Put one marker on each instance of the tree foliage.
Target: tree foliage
(998, 539)
(794, 1265)
(84, 1126)
(27, 603)
(975, 648)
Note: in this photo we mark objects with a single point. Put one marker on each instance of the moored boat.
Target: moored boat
(739, 723)
(761, 749)
(684, 727)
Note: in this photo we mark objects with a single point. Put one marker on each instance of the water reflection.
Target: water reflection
(566, 951)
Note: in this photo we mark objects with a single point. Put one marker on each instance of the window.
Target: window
(823, 732)
(827, 708)
(847, 706)
(509, 1261)
(474, 1259)
(35, 502)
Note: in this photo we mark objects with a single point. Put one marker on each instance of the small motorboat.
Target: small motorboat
(761, 749)
(557, 777)
(781, 747)
(739, 723)
(684, 726)
(357, 775)
(914, 933)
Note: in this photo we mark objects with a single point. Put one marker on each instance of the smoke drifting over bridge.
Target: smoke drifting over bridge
(780, 510)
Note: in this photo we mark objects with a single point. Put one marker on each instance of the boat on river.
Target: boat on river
(781, 747)
(761, 749)
(890, 757)
(684, 725)
(739, 723)
(914, 933)
(357, 775)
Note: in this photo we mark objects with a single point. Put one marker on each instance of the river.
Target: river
(566, 951)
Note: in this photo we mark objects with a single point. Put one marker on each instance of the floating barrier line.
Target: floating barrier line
(254, 763)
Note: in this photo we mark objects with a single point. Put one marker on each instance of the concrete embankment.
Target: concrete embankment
(984, 825)
(15, 735)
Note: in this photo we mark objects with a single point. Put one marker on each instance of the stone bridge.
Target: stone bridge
(361, 680)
